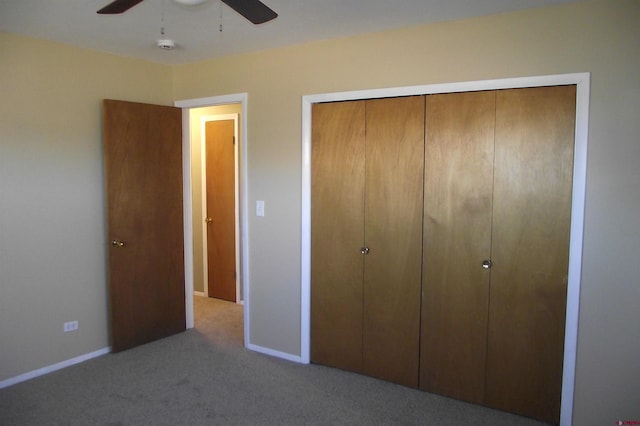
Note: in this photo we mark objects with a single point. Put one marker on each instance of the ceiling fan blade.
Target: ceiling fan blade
(254, 10)
(118, 6)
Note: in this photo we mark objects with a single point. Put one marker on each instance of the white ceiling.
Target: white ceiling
(196, 29)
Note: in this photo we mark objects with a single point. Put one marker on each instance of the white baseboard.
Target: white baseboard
(51, 368)
(198, 293)
(277, 354)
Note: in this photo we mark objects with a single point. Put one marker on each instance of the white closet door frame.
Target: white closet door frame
(582, 82)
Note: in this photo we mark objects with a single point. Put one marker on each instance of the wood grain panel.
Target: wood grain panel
(393, 224)
(530, 249)
(221, 231)
(337, 233)
(457, 238)
(143, 168)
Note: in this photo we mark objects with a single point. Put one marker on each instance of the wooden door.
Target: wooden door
(457, 238)
(337, 233)
(221, 210)
(530, 249)
(393, 235)
(143, 168)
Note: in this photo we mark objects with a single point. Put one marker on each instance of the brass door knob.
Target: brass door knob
(117, 243)
(209, 220)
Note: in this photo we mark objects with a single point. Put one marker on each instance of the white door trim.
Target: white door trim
(243, 224)
(582, 82)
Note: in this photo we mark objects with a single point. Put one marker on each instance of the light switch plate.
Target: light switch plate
(259, 208)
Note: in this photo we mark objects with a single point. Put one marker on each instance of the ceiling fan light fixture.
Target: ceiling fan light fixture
(166, 44)
(190, 2)
(253, 10)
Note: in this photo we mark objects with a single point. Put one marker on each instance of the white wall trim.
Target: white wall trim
(277, 354)
(582, 82)
(242, 99)
(575, 247)
(203, 202)
(187, 217)
(199, 293)
(54, 367)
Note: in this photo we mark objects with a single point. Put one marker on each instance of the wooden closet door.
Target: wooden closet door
(337, 233)
(530, 249)
(221, 209)
(393, 234)
(457, 238)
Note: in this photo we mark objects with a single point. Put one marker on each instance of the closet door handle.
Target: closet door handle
(487, 264)
(364, 250)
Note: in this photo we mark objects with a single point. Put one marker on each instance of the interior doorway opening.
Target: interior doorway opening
(196, 113)
(215, 195)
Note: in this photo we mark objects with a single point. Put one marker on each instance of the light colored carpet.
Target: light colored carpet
(205, 377)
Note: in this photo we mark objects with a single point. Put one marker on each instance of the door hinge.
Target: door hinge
(234, 140)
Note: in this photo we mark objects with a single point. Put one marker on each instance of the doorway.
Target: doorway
(215, 195)
(193, 111)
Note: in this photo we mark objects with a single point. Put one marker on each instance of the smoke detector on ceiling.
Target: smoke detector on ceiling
(166, 44)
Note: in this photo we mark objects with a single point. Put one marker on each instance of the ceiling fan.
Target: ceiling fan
(254, 10)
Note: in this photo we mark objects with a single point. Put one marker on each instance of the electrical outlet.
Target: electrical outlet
(70, 326)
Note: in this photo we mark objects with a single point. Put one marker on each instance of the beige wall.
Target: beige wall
(600, 37)
(195, 116)
(52, 214)
(52, 257)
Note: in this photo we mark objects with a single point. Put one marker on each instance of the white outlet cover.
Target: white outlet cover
(70, 326)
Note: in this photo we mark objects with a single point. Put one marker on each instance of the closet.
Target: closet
(440, 242)
(367, 188)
